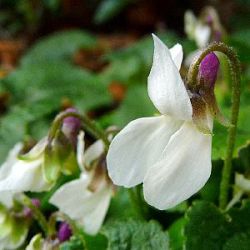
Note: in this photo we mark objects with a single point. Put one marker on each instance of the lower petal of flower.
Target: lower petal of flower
(137, 147)
(88, 208)
(183, 169)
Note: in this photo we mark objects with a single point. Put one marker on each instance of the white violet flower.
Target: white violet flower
(167, 153)
(87, 199)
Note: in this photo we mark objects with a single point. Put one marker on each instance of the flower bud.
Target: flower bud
(71, 126)
(27, 211)
(208, 70)
(64, 232)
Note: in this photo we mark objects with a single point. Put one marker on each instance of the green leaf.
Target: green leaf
(243, 130)
(50, 84)
(108, 9)
(117, 205)
(97, 242)
(206, 228)
(210, 192)
(74, 243)
(176, 234)
(59, 46)
(239, 241)
(135, 105)
(240, 217)
(135, 234)
(240, 41)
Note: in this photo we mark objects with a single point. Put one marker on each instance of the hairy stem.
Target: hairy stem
(88, 124)
(36, 213)
(235, 74)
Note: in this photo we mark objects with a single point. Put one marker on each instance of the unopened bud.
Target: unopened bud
(208, 69)
(64, 232)
(27, 211)
(71, 126)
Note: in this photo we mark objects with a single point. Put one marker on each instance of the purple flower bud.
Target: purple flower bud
(71, 126)
(64, 232)
(208, 69)
(27, 212)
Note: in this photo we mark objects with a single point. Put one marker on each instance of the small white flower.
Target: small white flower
(167, 153)
(38, 170)
(86, 199)
(196, 29)
(17, 175)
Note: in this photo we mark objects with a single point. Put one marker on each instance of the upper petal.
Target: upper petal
(80, 150)
(137, 147)
(93, 152)
(10, 161)
(184, 168)
(165, 86)
(177, 55)
(202, 35)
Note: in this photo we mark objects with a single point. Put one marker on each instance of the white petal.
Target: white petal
(11, 159)
(6, 198)
(95, 210)
(88, 208)
(184, 168)
(70, 194)
(242, 182)
(25, 176)
(80, 150)
(177, 55)
(165, 86)
(137, 147)
(36, 151)
(202, 35)
(93, 152)
(190, 22)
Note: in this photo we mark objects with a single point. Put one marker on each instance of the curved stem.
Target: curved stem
(235, 74)
(88, 124)
(25, 200)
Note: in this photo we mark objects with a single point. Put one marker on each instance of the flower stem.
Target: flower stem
(25, 200)
(136, 199)
(235, 74)
(88, 124)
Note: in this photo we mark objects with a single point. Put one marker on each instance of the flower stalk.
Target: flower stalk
(235, 74)
(26, 201)
(88, 124)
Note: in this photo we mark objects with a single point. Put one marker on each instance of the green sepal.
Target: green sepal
(5, 222)
(51, 165)
(20, 228)
(65, 154)
(36, 243)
